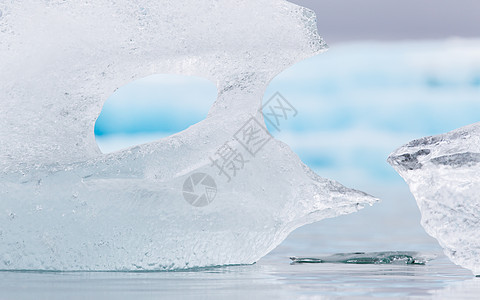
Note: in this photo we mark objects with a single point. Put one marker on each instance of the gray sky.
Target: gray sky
(344, 20)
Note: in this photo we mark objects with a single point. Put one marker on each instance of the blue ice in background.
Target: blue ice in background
(358, 102)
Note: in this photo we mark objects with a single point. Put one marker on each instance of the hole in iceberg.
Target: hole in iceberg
(152, 108)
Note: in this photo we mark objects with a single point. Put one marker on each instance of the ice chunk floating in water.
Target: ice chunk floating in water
(389, 257)
(443, 173)
(164, 205)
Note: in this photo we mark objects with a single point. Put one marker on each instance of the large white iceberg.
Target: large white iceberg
(165, 205)
(443, 173)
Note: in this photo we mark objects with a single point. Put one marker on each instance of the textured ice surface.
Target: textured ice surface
(66, 206)
(443, 173)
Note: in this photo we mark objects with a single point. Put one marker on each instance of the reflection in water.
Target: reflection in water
(271, 278)
(468, 289)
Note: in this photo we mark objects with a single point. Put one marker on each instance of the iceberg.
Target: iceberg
(443, 173)
(221, 192)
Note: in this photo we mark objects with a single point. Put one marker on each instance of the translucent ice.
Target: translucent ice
(443, 173)
(361, 258)
(172, 203)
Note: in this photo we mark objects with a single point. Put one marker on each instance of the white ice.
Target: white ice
(66, 206)
(443, 173)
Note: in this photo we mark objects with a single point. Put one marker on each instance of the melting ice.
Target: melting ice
(388, 257)
(443, 173)
(163, 205)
